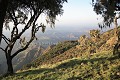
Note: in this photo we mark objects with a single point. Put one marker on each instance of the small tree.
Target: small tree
(26, 13)
(95, 33)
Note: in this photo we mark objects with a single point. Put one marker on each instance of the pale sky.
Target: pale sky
(80, 15)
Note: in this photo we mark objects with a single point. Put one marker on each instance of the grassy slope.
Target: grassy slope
(46, 58)
(100, 66)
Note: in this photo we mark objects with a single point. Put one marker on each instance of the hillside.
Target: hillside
(46, 39)
(89, 58)
(46, 58)
(85, 46)
(101, 66)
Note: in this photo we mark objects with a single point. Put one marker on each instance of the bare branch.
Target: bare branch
(32, 20)
(5, 39)
(22, 49)
(11, 14)
(33, 31)
(2, 49)
(25, 28)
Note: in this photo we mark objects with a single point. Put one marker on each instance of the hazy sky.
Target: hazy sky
(79, 15)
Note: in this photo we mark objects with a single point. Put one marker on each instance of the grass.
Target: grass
(100, 66)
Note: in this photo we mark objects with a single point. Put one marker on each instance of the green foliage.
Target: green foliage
(50, 8)
(107, 9)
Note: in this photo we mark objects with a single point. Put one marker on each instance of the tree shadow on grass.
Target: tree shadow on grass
(74, 62)
(30, 72)
(37, 71)
(71, 63)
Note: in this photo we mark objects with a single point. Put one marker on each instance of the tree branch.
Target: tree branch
(25, 28)
(3, 36)
(33, 31)
(2, 49)
(22, 49)
(5, 39)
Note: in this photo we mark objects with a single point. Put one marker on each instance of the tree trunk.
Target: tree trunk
(10, 67)
(3, 9)
(116, 34)
(9, 64)
(115, 31)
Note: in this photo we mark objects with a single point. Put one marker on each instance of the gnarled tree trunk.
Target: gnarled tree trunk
(9, 64)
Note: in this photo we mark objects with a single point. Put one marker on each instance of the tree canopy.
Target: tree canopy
(106, 8)
(50, 7)
(26, 13)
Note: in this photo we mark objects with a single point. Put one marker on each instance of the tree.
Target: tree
(108, 9)
(95, 33)
(4, 6)
(26, 13)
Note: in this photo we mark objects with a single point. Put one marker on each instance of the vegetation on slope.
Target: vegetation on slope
(100, 66)
(71, 49)
(55, 51)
